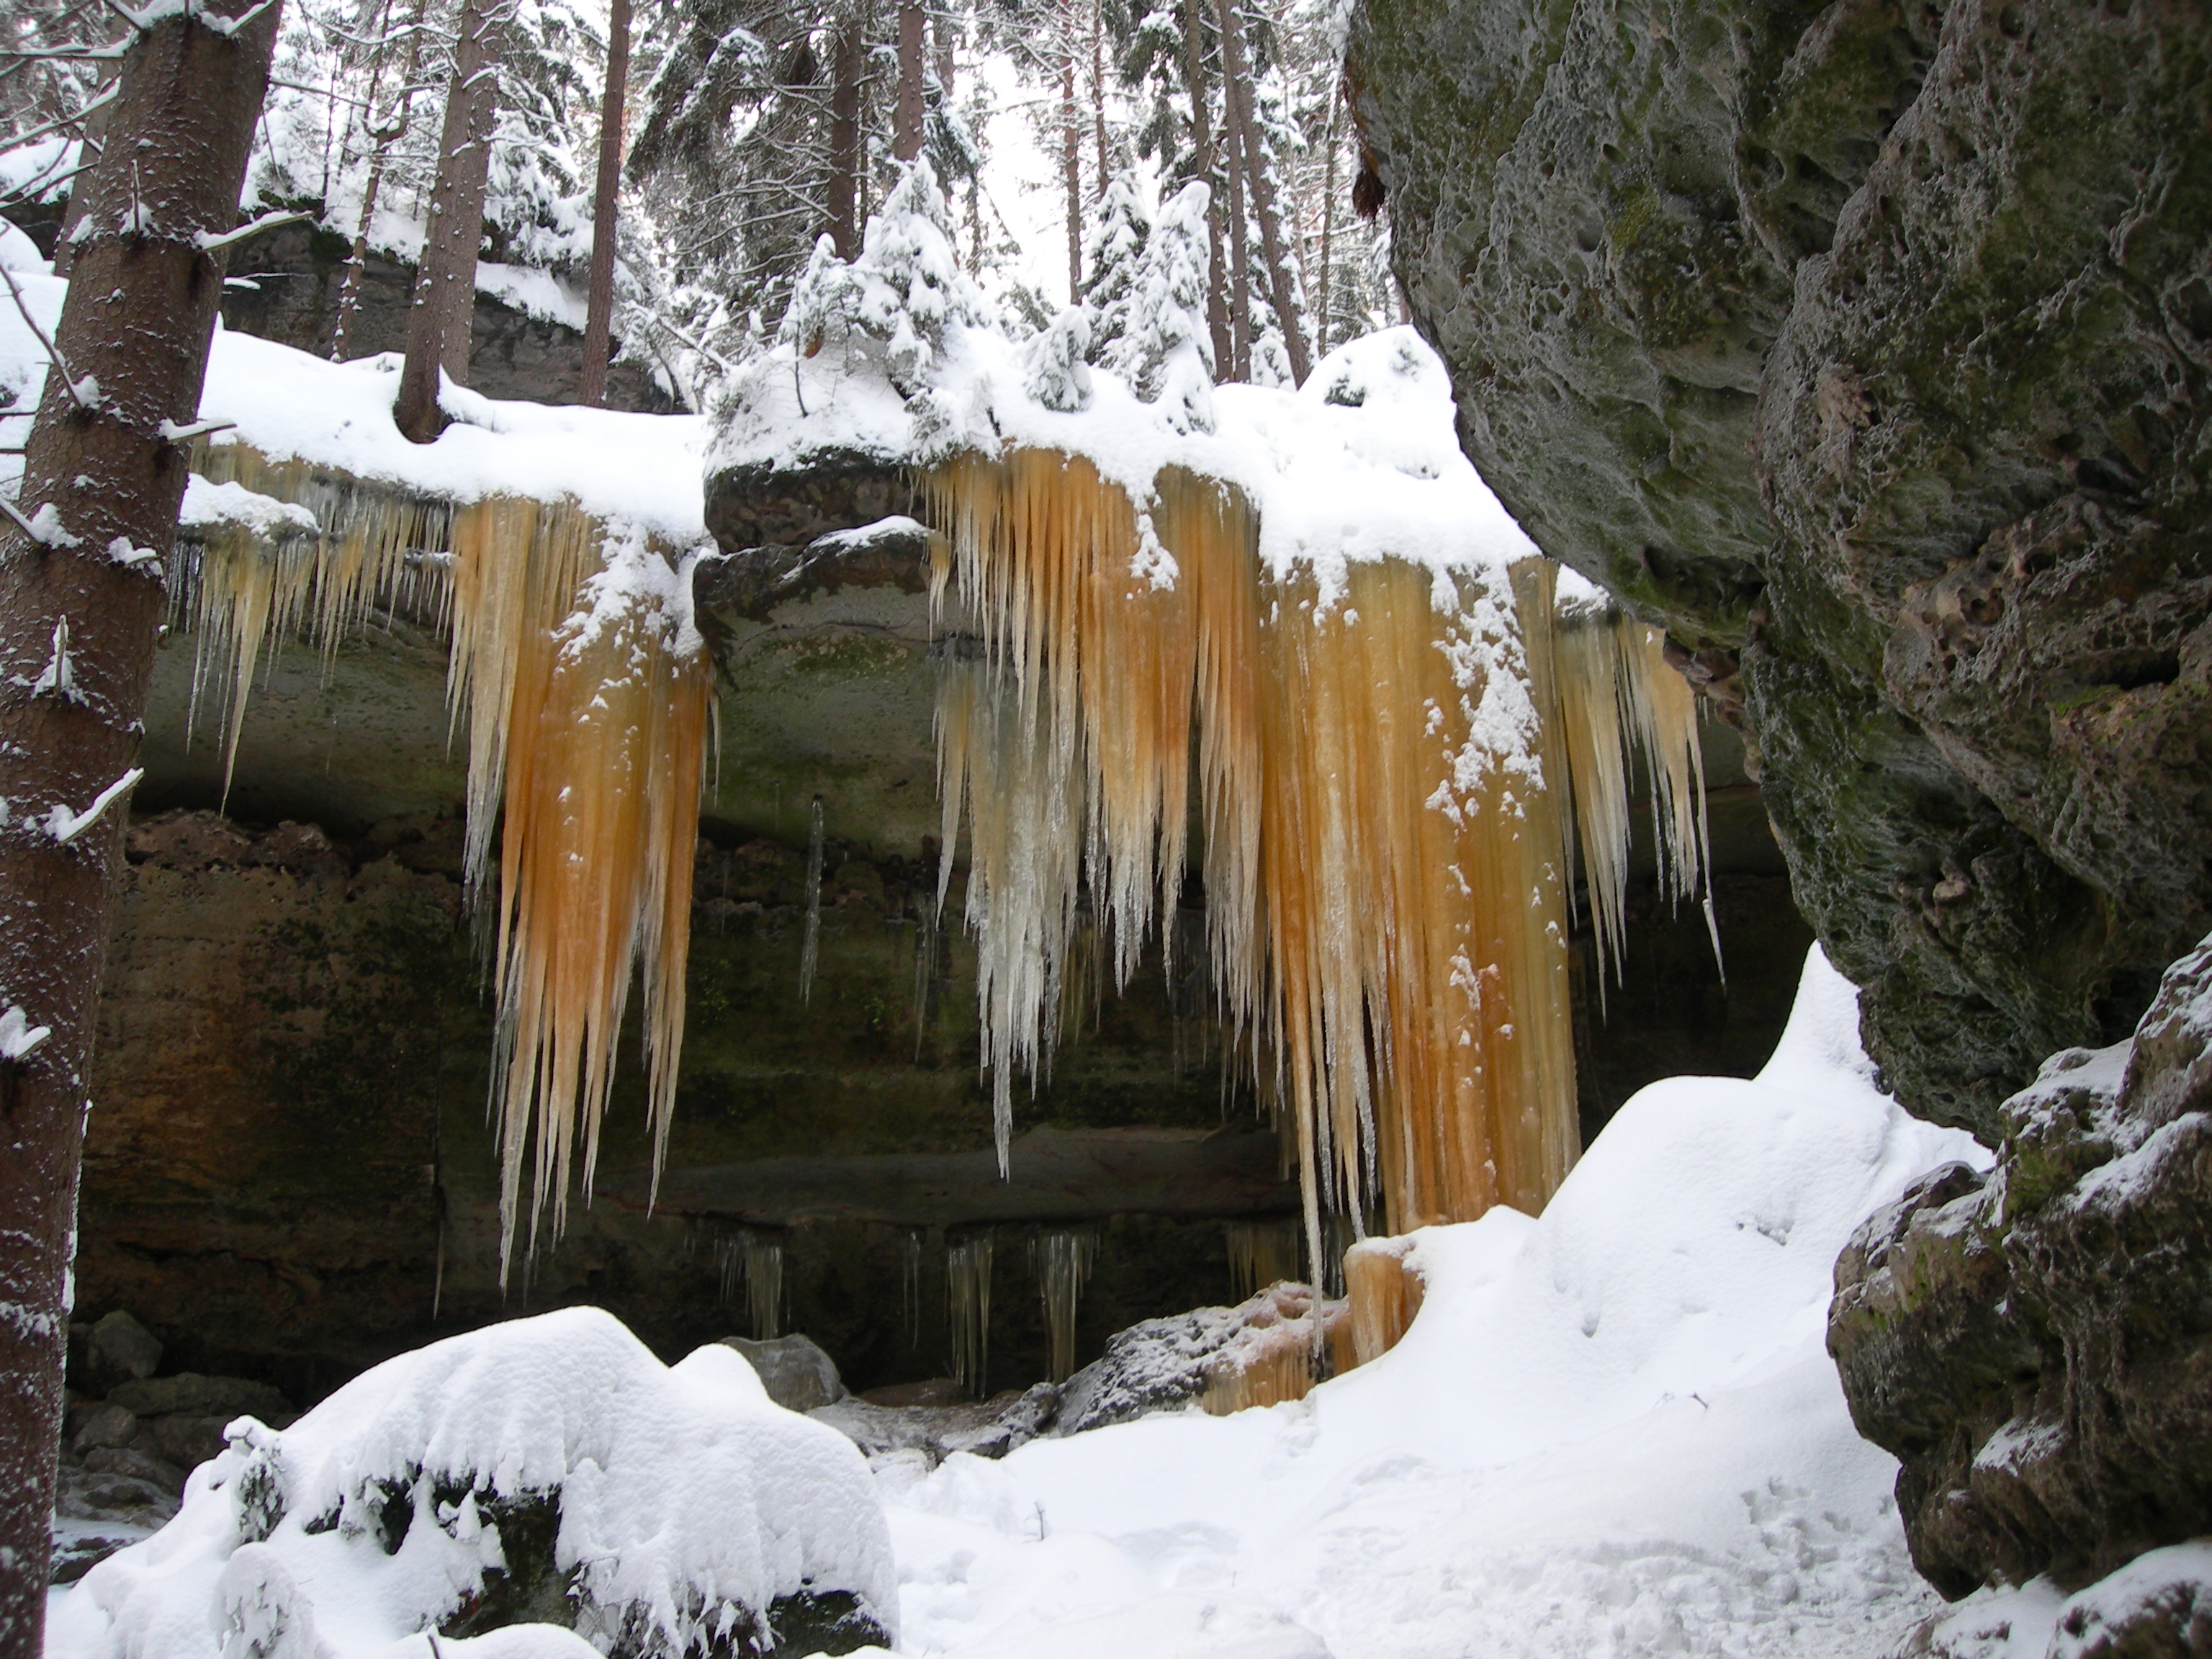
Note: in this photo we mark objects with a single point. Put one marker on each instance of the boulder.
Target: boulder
(796, 1372)
(135, 1465)
(191, 1395)
(2035, 1346)
(120, 1350)
(981, 1428)
(110, 1425)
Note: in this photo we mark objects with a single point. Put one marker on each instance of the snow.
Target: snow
(687, 1498)
(1613, 1430)
(1361, 463)
(640, 470)
(211, 506)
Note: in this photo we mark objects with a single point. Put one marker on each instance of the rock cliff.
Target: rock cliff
(1869, 346)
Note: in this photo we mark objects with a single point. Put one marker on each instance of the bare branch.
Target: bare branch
(68, 380)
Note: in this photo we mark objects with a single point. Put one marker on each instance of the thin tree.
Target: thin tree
(848, 63)
(1236, 85)
(1240, 249)
(382, 136)
(1071, 151)
(438, 321)
(1193, 68)
(81, 605)
(600, 302)
(907, 113)
(1098, 97)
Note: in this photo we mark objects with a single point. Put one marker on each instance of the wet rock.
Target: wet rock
(185, 1439)
(796, 1372)
(120, 1350)
(2035, 1346)
(984, 1428)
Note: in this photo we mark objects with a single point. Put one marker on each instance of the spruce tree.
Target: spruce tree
(1112, 257)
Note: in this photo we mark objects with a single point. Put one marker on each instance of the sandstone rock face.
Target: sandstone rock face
(296, 274)
(2036, 1346)
(1869, 347)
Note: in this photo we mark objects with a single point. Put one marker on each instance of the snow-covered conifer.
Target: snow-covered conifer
(1111, 259)
(1055, 371)
(1167, 356)
(910, 283)
(825, 302)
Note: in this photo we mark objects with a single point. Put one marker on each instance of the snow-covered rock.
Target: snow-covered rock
(547, 1467)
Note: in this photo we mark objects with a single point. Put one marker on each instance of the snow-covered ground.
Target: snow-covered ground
(1612, 1431)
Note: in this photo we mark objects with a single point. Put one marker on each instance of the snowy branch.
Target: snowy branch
(61, 121)
(59, 678)
(65, 826)
(18, 1036)
(43, 526)
(229, 27)
(183, 434)
(210, 242)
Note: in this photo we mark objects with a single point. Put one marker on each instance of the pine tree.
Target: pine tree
(1167, 356)
(81, 602)
(599, 300)
(1112, 256)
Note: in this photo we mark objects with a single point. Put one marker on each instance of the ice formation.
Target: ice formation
(549, 1466)
(573, 662)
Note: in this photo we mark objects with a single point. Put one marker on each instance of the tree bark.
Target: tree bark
(93, 130)
(599, 301)
(842, 190)
(1201, 132)
(137, 320)
(1237, 81)
(438, 321)
(907, 113)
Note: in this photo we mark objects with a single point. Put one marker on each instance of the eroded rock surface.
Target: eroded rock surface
(2036, 1346)
(1869, 347)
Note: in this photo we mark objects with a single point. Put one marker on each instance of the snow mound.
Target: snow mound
(1611, 1430)
(542, 1460)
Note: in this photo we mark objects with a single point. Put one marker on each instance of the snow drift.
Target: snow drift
(1613, 1430)
(546, 1468)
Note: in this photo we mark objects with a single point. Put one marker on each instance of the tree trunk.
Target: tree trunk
(843, 185)
(907, 113)
(1328, 219)
(357, 262)
(1098, 95)
(79, 610)
(1240, 246)
(941, 33)
(445, 283)
(1071, 155)
(600, 302)
(1237, 81)
(1201, 132)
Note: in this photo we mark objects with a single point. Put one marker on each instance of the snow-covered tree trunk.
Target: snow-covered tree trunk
(606, 198)
(81, 605)
(445, 282)
(1202, 127)
(1098, 97)
(907, 114)
(1275, 254)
